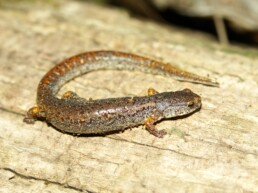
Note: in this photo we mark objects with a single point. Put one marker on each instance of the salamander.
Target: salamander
(77, 115)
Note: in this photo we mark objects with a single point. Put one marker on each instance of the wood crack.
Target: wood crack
(44, 180)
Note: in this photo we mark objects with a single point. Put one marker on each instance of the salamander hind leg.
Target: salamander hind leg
(33, 114)
(149, 123)
(70, 95)
(152, 91)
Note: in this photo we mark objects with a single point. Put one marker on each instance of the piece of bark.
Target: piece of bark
(213, 150)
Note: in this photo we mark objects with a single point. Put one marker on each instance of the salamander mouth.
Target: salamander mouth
(182, 110)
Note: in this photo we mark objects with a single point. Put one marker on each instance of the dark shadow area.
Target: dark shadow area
(147, 10)
(206, 24)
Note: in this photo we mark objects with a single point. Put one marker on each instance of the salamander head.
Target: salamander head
(173, 104)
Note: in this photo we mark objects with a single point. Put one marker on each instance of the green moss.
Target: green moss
(177, 132)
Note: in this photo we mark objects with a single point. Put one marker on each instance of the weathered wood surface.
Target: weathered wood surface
(213, 150)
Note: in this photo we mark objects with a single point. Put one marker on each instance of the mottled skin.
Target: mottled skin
(77, 115)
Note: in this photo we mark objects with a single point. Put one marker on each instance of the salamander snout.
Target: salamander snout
(179, 103)
(195, 102)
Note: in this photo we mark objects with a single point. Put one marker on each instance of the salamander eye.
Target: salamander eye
(187, 90)
(190, 104)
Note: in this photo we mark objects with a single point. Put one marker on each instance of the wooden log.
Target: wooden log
(213, 150)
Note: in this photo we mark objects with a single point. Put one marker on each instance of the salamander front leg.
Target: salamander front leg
(149, 123)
